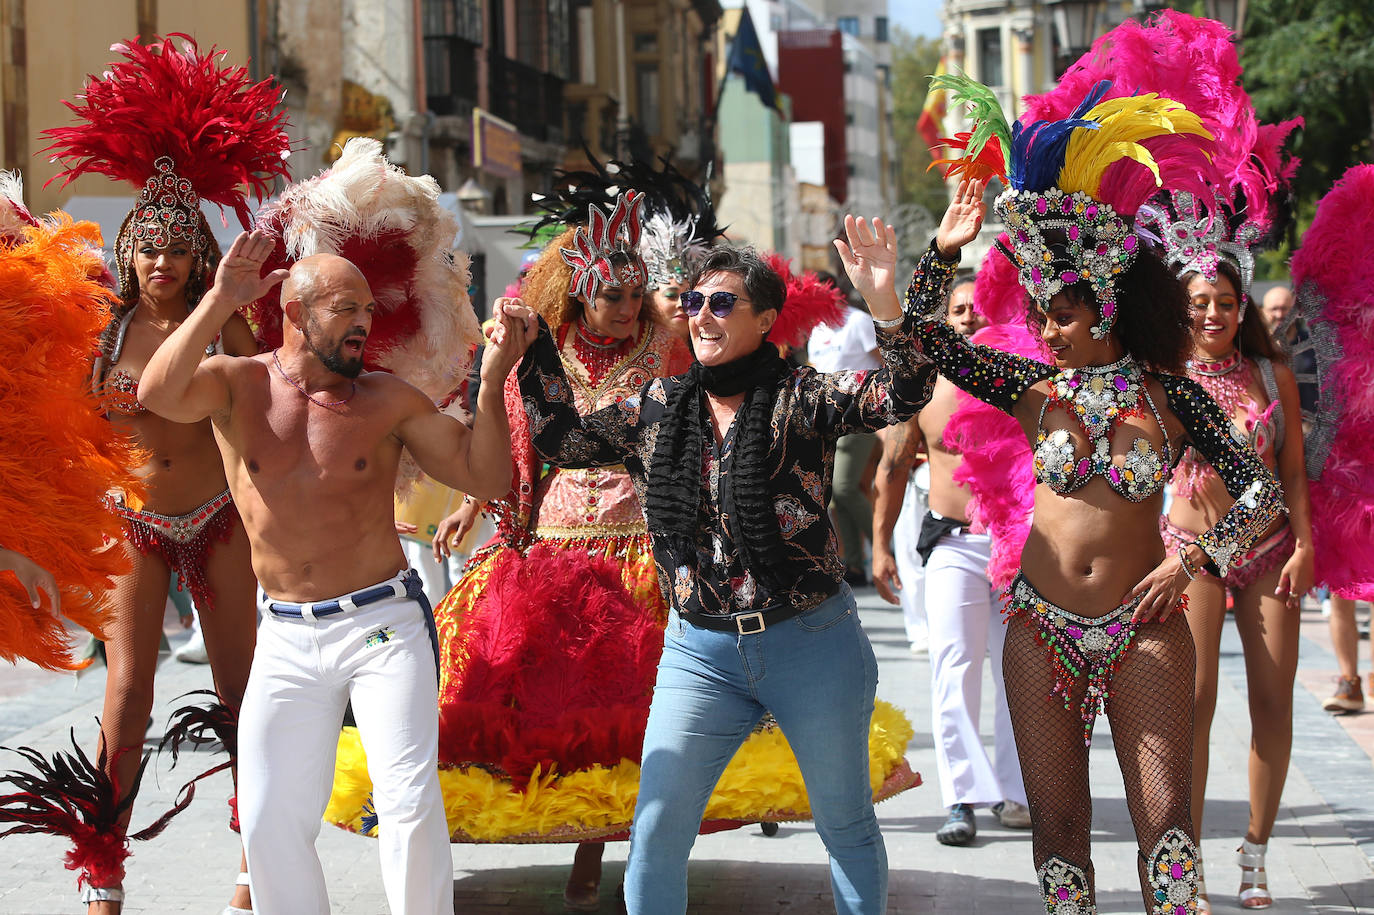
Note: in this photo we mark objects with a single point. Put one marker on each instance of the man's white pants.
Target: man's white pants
(905, 536)
(964, 616)
(381, 657)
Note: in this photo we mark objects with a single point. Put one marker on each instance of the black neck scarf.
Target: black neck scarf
(674, 484)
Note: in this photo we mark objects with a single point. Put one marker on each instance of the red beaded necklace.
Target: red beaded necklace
(598, 354)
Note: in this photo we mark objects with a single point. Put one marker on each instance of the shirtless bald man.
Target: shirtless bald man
(311, 445)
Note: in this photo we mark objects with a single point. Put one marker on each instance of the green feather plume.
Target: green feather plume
(983, 108)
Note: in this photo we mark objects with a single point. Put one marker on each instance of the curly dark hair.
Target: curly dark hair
(1154, 321)
(197, 284)
(1252, 337)
(764, 287)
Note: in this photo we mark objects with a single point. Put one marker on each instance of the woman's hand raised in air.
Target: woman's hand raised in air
(963, 219)
(870, 257)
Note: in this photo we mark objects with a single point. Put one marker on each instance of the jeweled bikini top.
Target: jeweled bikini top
(1100, 397)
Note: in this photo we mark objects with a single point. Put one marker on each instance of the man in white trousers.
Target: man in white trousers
(311, 446)
(963, 618)
(899, 504)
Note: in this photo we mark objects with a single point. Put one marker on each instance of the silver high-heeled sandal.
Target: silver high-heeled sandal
(102, 894)
(241, 880)
(1256, 894)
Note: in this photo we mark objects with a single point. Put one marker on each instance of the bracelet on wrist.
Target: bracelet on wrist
(889, 323)
(1187, 566)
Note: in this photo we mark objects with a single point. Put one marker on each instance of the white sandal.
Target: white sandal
(102, 894)
(241, 880)
(1256, 894)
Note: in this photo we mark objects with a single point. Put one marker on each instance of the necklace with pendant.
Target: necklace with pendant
(1100, 396)
(308, 396)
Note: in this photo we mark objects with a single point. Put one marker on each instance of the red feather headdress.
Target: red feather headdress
(809, 303)
(183, 128)
(391, 226)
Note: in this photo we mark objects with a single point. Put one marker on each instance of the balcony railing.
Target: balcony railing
(529, 99)
(450, 74)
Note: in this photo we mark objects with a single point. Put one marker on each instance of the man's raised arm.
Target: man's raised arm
(175, 385)
(477, 462)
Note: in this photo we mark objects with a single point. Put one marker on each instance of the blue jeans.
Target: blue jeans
(817, 674)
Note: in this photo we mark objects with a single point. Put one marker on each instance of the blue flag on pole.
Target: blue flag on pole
(746, 59)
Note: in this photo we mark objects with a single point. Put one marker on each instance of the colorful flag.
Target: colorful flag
(746, 59)
(931, 122)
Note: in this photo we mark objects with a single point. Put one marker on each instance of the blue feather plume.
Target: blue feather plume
(1038, 149)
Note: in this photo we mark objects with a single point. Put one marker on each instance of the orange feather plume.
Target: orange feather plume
(58, 455)
(989, 163)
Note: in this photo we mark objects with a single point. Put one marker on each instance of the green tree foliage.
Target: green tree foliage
(921, 195)
(913, 61)
(1314, 58)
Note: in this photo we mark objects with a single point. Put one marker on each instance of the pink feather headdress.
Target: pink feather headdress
(1193, 61)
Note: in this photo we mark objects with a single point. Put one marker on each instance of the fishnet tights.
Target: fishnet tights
(1151, 714)
(133, 632)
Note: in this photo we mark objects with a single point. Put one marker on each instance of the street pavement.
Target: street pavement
(1319, 858)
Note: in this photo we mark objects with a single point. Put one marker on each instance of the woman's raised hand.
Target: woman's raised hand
(963, 219)
(870, 257)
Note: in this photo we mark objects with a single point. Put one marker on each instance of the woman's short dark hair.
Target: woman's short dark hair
(1252, 336)
(764, 287)
(1154, 321)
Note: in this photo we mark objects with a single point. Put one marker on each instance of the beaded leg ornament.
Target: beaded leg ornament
(1065, 888)
(1173, 868)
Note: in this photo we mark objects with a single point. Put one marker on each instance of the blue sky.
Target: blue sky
(920, 17)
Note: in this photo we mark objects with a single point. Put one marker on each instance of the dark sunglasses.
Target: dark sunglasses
(722, 302)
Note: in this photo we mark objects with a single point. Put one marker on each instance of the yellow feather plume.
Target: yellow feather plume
(1124, 122)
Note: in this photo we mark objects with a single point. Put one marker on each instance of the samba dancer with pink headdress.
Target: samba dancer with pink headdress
(1106, 417)
(1209, 240)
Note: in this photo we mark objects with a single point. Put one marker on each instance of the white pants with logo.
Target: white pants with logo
(380, 657)
(965, 619)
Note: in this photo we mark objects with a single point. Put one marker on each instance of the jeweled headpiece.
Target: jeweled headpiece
(606, 250)
(679, 218)
(1076, 182)
(669, 246)
(181, 127)
(1194, 61)
(1196, 238)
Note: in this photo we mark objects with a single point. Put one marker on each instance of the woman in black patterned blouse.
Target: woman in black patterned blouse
(732, 460)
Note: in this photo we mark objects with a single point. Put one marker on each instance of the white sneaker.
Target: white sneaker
(193, 652)
(920, 647)
(1012, 815)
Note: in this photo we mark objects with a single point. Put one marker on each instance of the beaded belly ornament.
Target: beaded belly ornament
(1078, 646)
